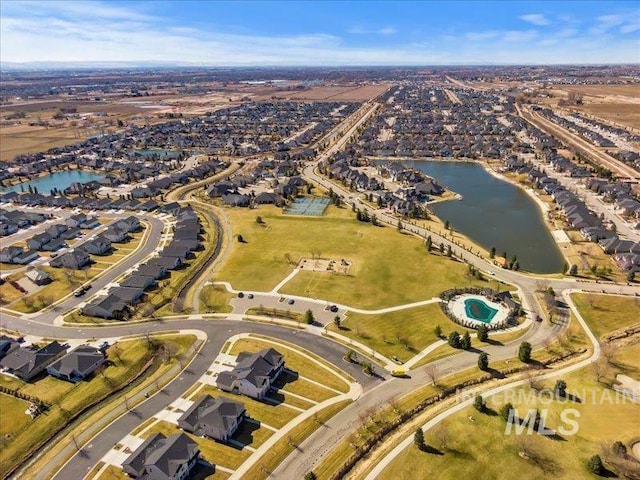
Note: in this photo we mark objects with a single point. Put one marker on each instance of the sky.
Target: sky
(329, 33)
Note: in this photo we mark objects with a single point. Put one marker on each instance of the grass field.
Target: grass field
(606, 313)
(274, 247)
(403, 333)
(303, 366)
(480, 449)
(12, 414)
(128, 359)
(215, 298)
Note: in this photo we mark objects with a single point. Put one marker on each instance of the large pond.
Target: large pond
(495, 213)
(59, 180)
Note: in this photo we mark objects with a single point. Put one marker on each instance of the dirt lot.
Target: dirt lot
(353, 93)
(632, 91)
(621, 113)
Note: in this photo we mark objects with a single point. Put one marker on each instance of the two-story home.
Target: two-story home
(254, 373)
(163, 458)
(217, 418)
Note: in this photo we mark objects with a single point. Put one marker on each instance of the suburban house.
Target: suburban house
(98, 246)
(217, 418)
(115, 234)
(7, 345)
(7, 254)
(53, 245)
(169, 263)
(254, 373)
(155, 271)
(75, 260)
(78, 364)
(37, 241)
(27, 362)
(163, 458)
(110, 307)
(38, 277)
(56, 230)
(138, 281)
(25, 257)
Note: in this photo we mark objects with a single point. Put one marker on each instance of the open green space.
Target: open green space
(388, 268)
(276, 416)
(305, 388)
(128, 360)
(606, 313)
(402, 333)
(481, 449)
(295, 362)
(215, 298)
(212, 451)
(12, 414)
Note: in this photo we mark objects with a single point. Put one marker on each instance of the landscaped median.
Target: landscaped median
(77, 411)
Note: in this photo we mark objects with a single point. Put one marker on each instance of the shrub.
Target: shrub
(418, 439)
(483, 361)
(524, 352)
(465, 343)
(595, 464)
(619, 448)
(478, 403)
(505, 411)
(454, 339)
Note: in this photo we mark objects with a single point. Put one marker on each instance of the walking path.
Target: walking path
(384, 463)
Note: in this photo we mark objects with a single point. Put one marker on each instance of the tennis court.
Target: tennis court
(310, 206)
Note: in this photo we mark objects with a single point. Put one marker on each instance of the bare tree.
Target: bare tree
(599, 369)
(432, 373)
(609, 353)
(441, 435)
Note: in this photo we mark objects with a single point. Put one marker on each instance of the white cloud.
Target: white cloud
(535, 19)
(360, 30)
(480, 36)
(96, 31)
(519, 35)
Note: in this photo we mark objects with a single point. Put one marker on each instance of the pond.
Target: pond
(59, 180)
(494, 213)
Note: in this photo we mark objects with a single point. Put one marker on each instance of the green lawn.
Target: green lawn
(480, 449)
(12, 415)
(388, 268)
(295, 362)
(606, 313)
(300, 386)
(403, 333)
(212, 451)
(276, 416)
(127, 359)
(215, 298)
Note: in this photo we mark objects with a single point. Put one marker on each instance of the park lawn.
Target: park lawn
(480, 449)
(215, 298)
(60, 286)
(403, 333)
(276, 416)
(300, 386)
(377, 278)
(446, 350)
(303, 366)
(128, 359)
(12, 415)
(278, 452)
(606, 313)
(212, 451)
